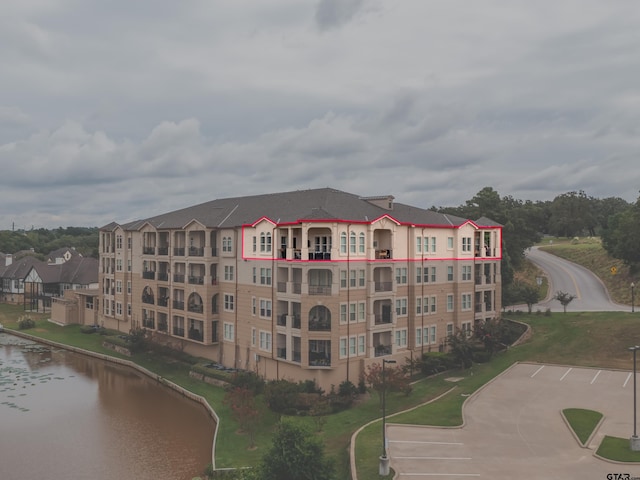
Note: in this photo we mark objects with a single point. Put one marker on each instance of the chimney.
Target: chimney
(8, 259)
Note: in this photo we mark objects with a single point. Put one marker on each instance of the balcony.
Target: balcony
(319, 255)
(382, 350)
(281, 353)
(319, 289)
(196, 280)
(320, 325)
(195, 335)
(297, 288)
(148, 250)
(178, 251)
(214, 280)
(383, 286)
(163, 250)
(297, 322)
(178, 331)
(296, 356)
(196, 251)
(178, 305)
(162, 326)
(384, 254)
(319, 359)
(178, 277)
(148, 323)
(148, 299)
(282, 287)
(214, 251)
(195, 308)
(282, 320)
(163, 301)
(163, 277)
(149, 275)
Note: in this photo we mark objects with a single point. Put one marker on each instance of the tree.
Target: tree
(530, 294)
(564, 298)
(244, 410)
(296, 454)
(620, 238)
(461, 345)
(395, 380)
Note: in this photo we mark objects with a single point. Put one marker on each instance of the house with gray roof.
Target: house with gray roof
(309, 284)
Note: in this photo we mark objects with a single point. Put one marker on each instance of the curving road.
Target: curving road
(563, 275)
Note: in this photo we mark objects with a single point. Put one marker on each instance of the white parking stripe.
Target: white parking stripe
(565, 374)
(594, 378)
(536, 372)
(435, 458)
(439, 475)
(427, 443)
(627, 380)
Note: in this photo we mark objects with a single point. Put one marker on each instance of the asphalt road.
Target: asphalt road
(591, 294)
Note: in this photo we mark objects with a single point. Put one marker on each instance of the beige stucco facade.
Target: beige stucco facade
(317, 299)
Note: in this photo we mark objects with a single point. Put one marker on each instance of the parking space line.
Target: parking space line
(627, 380)
(426, 443)
(433, 458)
(536, 372)
(594, 378)
(565, 374)
(439, 474)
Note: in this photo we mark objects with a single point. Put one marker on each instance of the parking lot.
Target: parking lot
(514, 429)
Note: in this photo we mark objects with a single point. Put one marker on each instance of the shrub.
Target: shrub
(248, 380)
(25, 322)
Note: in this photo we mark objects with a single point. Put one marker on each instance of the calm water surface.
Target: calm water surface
(67, 416)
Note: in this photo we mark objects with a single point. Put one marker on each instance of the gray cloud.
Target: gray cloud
(335, 13)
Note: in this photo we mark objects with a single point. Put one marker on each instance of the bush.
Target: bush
(25, 322)
(248, 380)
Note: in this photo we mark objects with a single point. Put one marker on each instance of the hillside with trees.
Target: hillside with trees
(42, 241)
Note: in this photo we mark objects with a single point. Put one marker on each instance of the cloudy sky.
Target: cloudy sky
(118, 110)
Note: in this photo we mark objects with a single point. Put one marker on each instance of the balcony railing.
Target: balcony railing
(163, 301)
(282, 287)
(163, 277)
(149, 275)
(381, 319)
(196, 251)
(319, 360)
(214, 280)
(297, 322)
(178, 251)
(383, 286)
(195, 308)
(163, 250)
(281, 353)
(382, 350)
(319, 255)
(178, 277)
(296, 356)
(282, 320)
(319, 289)
(148, 299)
(178, 305)
(384, 254)
(148, 250)
(196, 280)
(297, 288)
(214, 251)
(179, 332)
(195, 335)
(162, 326)
(148, 323)
(323, 325)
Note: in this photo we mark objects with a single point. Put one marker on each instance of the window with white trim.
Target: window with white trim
(449, 329)
(265, 276)
(343, 313)
(254, 306)
(343, 242)
(361, 243)
(361, 312)
(352, 346)
(352, 278)
(466, 301)
(401, 307)
(401, 275)
(361, 344)
(433, 303)
(450, 273)
(265, 341)
(401, 337)
(343, 279)
(265, 308)
(450, 243)
(343, 347)
(253, 336)
(466, 244)
(418, 336)
(118, 286)
(229, 331)
(450, 303)
(361, 278)
(466, 273)
(228, 273)
(352, 242)
(229, 302)
(432, 330)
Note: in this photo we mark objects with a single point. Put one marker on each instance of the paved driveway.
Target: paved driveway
(513, 429)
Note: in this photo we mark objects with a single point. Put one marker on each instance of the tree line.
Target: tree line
(43, 241)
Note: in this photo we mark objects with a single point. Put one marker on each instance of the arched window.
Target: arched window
(195, 303)
(319, 319)
(147, 295)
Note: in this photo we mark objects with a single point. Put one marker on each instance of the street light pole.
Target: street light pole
(634, 441)
(384, 460)
(633, 286)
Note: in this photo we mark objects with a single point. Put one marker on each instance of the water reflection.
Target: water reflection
(68, 416)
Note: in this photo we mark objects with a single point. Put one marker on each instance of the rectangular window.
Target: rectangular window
(466, 244)
(254, 274)
(361, 278)
(343, 347)
(361, 312)
(129, 309)
(401, 276)
(433, 304)
(419, 245)
(418, 336)
(265, 341)
(352, 345)
(343, 313)
(401, 307)
(433, 334)
(418, 306)
(450, 243)
(253, 336)
(449, 329)
(352, 243)
(449, 303)
(466, 301)
(265, 276)
(254, 306)
(228, 273)
(118, 309)
(265, 308)
(361, 345)
(433, 244)
(352, 278)
(343, 242)
(229, 333)
(129, 287)
(254, 242)
(433, 275)
(466, 273)
(361, 243)
(118, 264)
(343, 279)
(228, 302)
(118, 286)
(450, 273)
(128, 265)
(425, 335)
(352, 312)
(118, 241)
(401, 337)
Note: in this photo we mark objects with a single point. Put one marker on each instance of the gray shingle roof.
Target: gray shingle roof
(292, 207)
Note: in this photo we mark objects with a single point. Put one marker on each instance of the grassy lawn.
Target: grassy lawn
(583, 422)
(581, 339)
(617, 449)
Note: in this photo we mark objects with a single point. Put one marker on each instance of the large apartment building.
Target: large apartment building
(313, 284)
